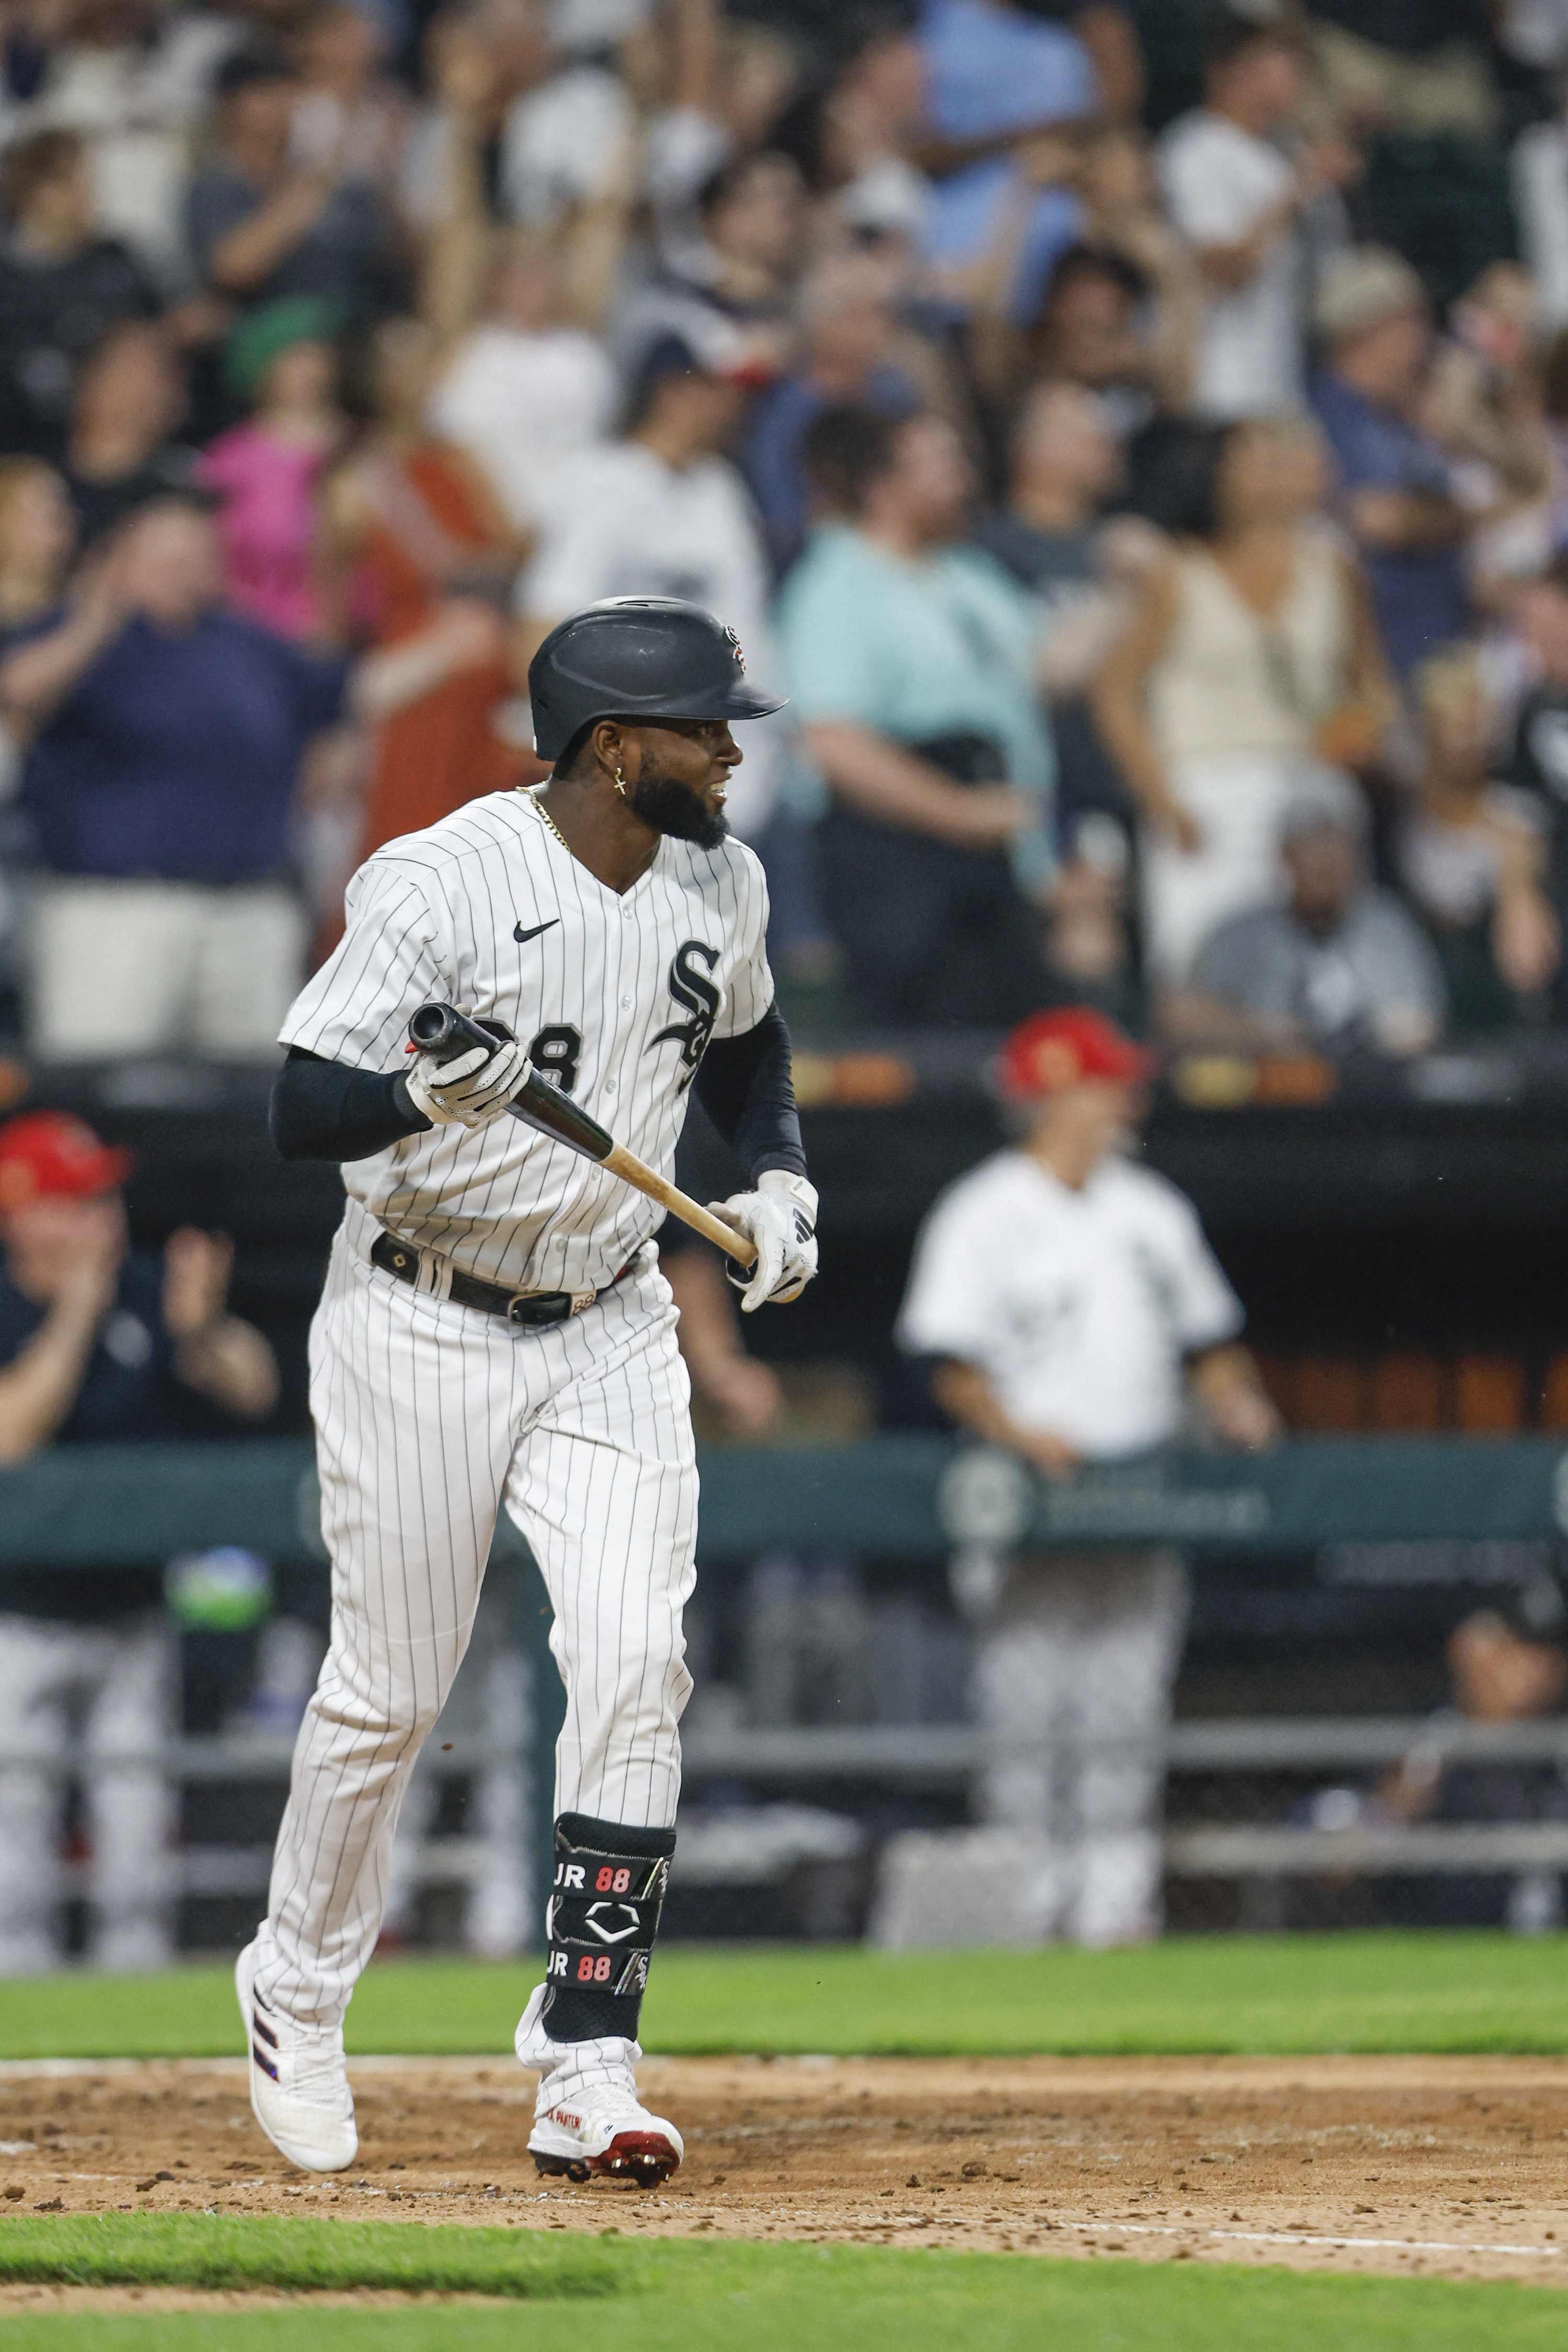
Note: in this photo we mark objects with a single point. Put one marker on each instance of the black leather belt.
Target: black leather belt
(531, 1309)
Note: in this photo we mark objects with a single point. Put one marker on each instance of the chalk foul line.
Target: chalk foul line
(1304, 2237)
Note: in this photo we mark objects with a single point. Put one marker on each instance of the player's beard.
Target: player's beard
(667, 806)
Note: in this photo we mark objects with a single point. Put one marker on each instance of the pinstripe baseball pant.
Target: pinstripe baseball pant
(430, 1418)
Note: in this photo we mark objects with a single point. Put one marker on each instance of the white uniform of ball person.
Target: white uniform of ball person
(1071, 1304)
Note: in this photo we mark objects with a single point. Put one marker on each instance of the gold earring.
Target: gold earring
(620, 783)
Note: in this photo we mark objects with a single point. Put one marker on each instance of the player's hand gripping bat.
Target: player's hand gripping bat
(443, 1033)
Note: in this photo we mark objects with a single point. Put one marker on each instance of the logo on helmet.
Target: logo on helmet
(735, 642)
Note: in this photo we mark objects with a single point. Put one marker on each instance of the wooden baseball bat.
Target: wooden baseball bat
(442, 1032)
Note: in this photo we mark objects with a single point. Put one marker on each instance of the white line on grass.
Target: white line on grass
(1304, 2237)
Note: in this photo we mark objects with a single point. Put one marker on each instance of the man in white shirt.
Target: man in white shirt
(1239, 198)
(1070, 1304)
(526, 392)
(565, 138)
(661, 513)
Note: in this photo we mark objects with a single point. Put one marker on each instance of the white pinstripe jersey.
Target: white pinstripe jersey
(615, 996)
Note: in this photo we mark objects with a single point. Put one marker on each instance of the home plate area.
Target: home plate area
(1447, 2166)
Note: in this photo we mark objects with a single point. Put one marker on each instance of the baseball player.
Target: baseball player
(1069, 1298)
(495, 1333)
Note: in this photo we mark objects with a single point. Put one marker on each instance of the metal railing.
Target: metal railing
(938, 1755)
(911, 1496)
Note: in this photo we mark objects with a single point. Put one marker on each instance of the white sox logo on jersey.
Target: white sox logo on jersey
(557, 1052)
(697, 992)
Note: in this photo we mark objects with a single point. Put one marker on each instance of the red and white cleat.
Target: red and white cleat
(603, 2133)
(588, 2122)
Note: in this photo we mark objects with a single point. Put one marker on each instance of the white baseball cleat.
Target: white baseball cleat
(298, 2081)
(588, 2122)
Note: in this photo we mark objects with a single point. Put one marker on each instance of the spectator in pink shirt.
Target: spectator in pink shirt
(266, 471)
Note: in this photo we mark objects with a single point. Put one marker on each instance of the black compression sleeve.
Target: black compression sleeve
(325, 1111)
(749, 1095)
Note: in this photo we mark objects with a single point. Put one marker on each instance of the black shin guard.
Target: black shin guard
(603, 1917)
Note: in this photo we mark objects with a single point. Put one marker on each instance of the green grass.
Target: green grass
(605, 2294)
(1285, 1994)
(226, 2250)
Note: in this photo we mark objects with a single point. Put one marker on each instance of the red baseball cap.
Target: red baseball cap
(48, 1153)
(1067, 1049)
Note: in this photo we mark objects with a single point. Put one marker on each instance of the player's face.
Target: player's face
(681, 782)
(1099, 1115)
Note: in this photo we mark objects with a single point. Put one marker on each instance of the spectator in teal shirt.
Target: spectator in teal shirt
(911, 661)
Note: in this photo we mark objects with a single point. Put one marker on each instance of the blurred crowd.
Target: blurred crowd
(1133, 431)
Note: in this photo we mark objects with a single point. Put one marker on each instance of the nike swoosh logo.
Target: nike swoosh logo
(523, 937)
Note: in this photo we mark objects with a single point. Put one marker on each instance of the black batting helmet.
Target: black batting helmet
(638, 657)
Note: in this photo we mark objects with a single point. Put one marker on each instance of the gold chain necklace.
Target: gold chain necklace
(550, 820)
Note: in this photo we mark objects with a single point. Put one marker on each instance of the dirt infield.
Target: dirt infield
(1449, 2167)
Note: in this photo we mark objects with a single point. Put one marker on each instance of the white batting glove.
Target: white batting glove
(780, 1216)
(469, 1090)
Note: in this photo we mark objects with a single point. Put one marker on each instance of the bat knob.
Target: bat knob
(433, 1027)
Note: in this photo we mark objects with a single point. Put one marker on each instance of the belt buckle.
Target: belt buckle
(518, 1298)
(401, 1260)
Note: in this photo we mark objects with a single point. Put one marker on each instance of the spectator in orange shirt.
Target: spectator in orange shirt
(424, 553)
